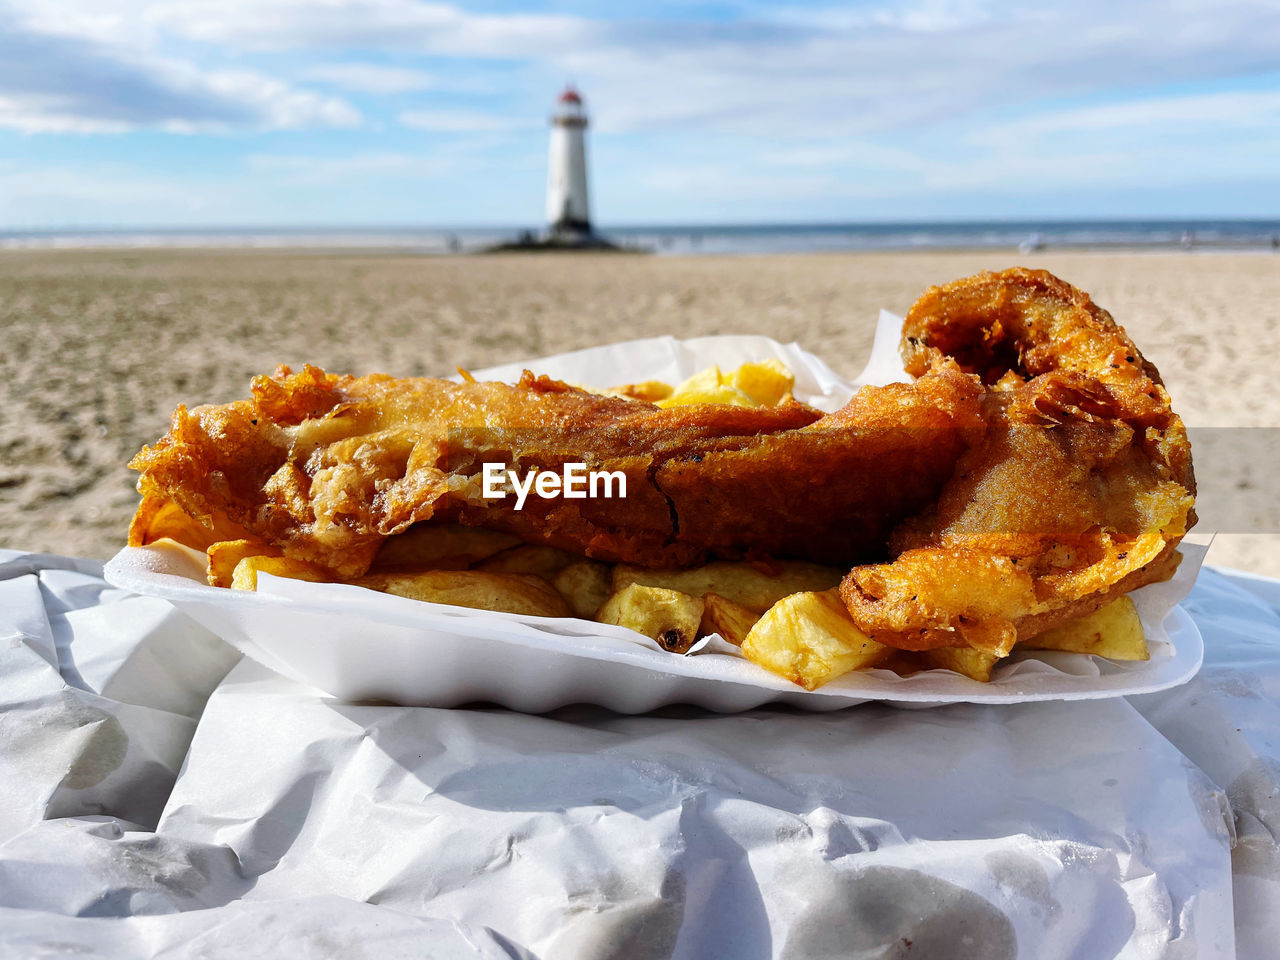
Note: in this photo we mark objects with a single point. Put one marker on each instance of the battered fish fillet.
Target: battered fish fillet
(327, 467)
(1080, 490)
(1031, 472)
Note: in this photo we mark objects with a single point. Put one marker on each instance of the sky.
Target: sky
(187, 113)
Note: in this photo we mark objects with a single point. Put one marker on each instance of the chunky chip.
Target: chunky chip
(731, 620)
(1113, 631)
(767, 382)
(245, 575)
(667, 616)
(755, 586)
(709, 386)
(966, 661)
(585, 585)
(650, 391)
(764, 383)
(158, 519)
(501, 592)
(225, 555)
(810, 639)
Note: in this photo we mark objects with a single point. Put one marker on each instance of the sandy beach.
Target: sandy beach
(99, 347)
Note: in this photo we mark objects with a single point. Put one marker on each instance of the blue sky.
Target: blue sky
(319, 112)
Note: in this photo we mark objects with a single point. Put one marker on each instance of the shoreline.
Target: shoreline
(513, 249)
(1027, 236)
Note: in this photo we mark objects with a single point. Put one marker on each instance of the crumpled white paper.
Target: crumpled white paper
(435, 655)
(306, 827)
(99, 693)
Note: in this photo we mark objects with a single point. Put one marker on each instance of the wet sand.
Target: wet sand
(100, 346)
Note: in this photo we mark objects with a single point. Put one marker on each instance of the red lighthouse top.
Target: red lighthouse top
(570, 95)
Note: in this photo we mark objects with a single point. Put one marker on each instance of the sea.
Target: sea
(700, 239)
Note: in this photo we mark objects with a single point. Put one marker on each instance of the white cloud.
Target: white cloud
(53, 81)
(280, 106)
(794, 72)
(922, 16)
(30, 115)
(118, 24)
(345, 24)
(877, 73)
(372, 78)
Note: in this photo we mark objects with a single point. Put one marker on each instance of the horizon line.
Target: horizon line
(1032, 221)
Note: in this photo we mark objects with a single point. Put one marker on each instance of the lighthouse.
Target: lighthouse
(568, 215)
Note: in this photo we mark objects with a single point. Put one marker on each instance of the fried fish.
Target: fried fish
(1031, 471)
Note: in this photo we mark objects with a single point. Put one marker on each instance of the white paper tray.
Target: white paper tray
(360, 645)
(356, 644)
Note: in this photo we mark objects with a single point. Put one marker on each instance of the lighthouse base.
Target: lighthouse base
(562, 237)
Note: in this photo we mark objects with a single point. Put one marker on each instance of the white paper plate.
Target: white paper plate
(357, 644)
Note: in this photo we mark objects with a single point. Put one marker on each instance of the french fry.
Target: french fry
(1113, 631)
(708, 386)
(810, 639)
(767, 382)
(763, 383)
(529, 558)
(442, 547)
(747, 584)
(667, 616)
(225, 555)
(966, 661)
(245, 575)
(143, 517)
(731, 620)
(650, 391)
(585, 585)
(157, 518)
(503, 592)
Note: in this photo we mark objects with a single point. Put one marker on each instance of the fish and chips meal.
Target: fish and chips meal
(1009, 497)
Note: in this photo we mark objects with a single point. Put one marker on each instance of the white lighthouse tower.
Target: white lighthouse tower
(568, 214)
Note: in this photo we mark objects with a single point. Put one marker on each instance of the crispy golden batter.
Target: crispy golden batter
(1031, 472)
(1079, 491)
(327, 467)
